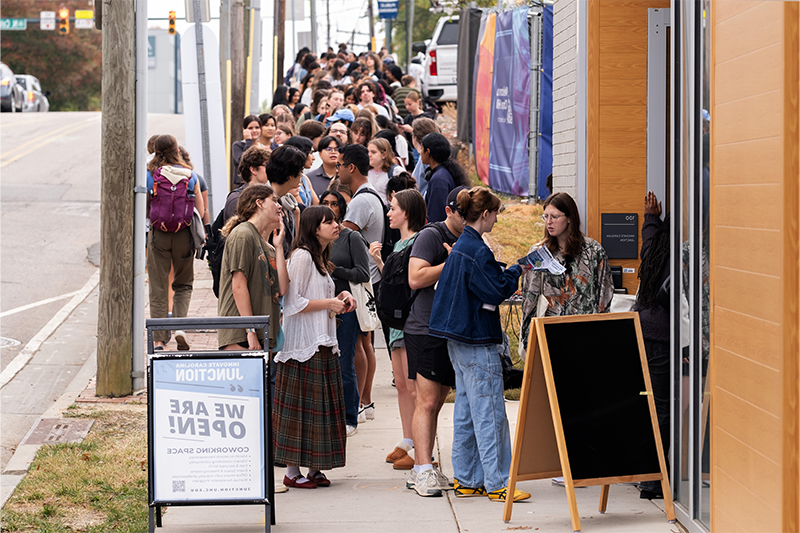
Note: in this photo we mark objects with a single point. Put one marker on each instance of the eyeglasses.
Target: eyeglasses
(330, 149)
(546, 217)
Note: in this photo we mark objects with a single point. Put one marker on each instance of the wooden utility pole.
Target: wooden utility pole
(118, 160)
(237, 29)
(280, 41)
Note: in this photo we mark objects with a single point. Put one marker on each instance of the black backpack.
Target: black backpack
(390, 236)
(395, 296)
(215, 245)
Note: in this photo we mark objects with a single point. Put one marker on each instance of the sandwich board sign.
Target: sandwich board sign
(587, 411)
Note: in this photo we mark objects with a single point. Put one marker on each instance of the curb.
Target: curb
(18, 465)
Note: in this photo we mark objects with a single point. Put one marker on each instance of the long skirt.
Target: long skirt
(308, 415)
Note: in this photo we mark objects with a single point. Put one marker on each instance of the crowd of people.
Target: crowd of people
(335, 178)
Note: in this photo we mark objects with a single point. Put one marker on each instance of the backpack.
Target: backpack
(395, 297)
(171, 205)
(390, 236)
(215, 248)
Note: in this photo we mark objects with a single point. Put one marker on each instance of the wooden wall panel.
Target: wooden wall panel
(755, 266)
(617, 173)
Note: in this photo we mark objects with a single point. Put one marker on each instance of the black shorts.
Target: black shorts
(428, 357)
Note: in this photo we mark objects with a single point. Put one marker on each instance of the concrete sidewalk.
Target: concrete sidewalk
(368, 495)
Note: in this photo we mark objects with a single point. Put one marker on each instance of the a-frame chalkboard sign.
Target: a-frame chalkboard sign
(586, 410)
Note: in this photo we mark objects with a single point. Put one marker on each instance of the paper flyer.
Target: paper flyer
(542, 260)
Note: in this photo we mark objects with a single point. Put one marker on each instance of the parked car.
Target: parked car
(35, 99)
(440, 67)
(11, 94)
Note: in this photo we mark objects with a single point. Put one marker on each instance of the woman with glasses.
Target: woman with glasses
(586, 286)
(321, 177)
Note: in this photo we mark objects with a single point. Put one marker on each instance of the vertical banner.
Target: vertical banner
(483, 95)
(510, 104)
(545, 163)
(208, 429)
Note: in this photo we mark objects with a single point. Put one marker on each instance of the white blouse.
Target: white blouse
(306, 332)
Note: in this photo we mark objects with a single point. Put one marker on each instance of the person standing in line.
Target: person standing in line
(251, 125)
(253, 274)
(268, 126)
(309, 411)
(429, 366)
(168, 248)
(350, 258)
(253, 169)
(329, 154)
(444, 174)
(406, 214)
(365, 215)
(471, 287)
(285, 170)
(382, 167)
(422, 127)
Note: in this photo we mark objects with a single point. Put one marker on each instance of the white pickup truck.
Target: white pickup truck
(440, 66)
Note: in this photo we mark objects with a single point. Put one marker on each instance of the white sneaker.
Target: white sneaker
(442, 482)
(180, 338)
(411, 482)
(362, 417)
(427, 484)
(351, 430)
(369, 411)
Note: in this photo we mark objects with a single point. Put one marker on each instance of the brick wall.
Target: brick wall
(565, 53)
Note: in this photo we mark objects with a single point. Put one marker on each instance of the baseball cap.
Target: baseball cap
(342, 114)
(451, 198)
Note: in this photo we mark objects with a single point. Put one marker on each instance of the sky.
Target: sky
(343, 22)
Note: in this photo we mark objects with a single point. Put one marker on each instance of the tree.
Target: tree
(424, 24)
(70, 66)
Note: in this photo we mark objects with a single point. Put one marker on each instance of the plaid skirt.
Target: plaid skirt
(308, 415)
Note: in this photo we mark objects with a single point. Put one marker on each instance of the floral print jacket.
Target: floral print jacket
(585, 288)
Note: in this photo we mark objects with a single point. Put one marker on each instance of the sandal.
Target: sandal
(319, 479)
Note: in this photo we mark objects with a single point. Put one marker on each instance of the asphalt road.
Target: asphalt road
(49, 251)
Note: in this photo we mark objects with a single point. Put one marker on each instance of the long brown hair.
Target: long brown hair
(564, 203)
(473, 202)
(166, 153)
(310, 220)
(247, 205)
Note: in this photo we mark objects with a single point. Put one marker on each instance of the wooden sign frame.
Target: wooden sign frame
(540, 448)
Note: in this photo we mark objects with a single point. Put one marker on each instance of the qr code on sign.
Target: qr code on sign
(179, 486)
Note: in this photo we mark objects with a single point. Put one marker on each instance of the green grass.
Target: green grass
(96, 486)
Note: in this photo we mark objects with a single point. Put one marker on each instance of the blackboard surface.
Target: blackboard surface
(598, 376)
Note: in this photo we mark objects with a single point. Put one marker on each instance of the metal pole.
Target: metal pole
(409, 31)
(177, 53)
(255, 68)
(314, 27)
(387, 23)
(201, 83)
(533, 135)
(294, 32)
(139, 200)
(328, 17)
(371, 17)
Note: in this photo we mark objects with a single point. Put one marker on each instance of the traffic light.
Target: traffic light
(172, 23)
(63, 21)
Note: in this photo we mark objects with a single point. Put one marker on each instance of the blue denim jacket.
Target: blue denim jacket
(470, 278)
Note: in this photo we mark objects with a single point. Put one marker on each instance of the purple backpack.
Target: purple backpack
(171, 207)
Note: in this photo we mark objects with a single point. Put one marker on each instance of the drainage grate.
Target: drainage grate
(59, 430)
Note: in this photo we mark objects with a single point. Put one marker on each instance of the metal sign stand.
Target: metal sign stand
(196, 324)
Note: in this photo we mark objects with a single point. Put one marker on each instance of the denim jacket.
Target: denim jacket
(471, 278)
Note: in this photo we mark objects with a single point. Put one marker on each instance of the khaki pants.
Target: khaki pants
(165, 250)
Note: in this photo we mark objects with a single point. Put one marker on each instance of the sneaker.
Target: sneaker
(411, 481)
(557, 481)
(427, 484)
(180, 338)
(351, 430)
(362, 418)
(400, 451)
(462, 491)
(369, 411)
(500, 495)
(443, 481)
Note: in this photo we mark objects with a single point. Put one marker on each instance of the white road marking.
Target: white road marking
(37, 304)
(6, 342)
(36, 342)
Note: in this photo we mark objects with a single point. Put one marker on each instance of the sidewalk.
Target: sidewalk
(368, 495)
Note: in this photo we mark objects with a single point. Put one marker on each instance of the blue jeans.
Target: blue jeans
(481, 438)
(347, 335)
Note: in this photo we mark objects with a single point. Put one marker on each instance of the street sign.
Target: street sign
(13, 24)
(387, 9)
(84, 19)
(47, 20)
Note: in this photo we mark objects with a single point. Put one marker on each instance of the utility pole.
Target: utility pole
(371, 16)
(328, 16)
(314, 43)
(118, 164)
(280, 41)
(224, 40)
(237, 72)
(409, 32)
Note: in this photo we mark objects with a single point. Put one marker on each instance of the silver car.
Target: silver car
(11, 95)
(34, 99)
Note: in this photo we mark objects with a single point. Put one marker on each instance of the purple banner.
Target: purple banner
(511, 97)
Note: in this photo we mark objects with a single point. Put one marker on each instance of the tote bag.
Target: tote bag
(366, 310)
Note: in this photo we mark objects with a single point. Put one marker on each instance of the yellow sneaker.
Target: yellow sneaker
(462, 491)
(500, 495)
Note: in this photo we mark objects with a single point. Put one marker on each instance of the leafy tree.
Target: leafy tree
(424, 24)
(70, 66)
